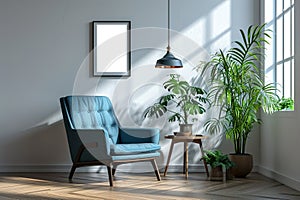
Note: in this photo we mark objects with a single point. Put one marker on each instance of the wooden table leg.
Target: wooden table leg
(169, 157)
(186, 159)
(204, 162)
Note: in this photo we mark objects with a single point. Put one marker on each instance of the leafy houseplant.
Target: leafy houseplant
(285, 104)
(237, 87)
(217, 160)
(182, 101)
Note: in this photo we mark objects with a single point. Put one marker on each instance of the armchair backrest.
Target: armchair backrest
(90, 112)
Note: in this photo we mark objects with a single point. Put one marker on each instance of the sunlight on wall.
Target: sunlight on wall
(213, 30)
(220, 26)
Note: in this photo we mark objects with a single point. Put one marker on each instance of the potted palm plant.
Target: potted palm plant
(182, 101)
(238, 88)
(218, 161)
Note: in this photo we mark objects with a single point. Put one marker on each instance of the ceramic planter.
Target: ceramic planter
(186, 129)
(216, 174)
(243, 164)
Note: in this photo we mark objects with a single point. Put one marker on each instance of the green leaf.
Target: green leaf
(196, 91)
(193, 108)
(164, 100)
(156, 110)
(175, 117)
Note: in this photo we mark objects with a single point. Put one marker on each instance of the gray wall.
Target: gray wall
(44, 54)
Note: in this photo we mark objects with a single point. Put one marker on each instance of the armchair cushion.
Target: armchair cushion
(135, 156)
(139, 135)
(127, 149)
(90, 112)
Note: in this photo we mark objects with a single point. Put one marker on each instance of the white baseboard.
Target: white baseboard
(293, 183)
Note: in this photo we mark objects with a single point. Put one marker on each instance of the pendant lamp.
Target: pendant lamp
(169, 60)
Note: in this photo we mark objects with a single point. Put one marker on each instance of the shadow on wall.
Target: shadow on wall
(40, 146)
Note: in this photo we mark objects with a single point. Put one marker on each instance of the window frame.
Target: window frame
(290, 59)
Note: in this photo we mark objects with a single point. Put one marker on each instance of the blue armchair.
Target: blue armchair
(96, 138)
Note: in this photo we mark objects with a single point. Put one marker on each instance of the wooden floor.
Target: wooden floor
(139, 186)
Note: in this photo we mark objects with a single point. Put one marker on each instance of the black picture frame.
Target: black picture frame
(111, 48)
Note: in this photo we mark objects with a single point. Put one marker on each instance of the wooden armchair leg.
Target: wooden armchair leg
(72, 172)
(114, 169)
(110, 175)
(153, 162)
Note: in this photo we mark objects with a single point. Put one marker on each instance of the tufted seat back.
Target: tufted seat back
(93, 112)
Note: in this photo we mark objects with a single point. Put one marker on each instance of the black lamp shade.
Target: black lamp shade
(168, 61)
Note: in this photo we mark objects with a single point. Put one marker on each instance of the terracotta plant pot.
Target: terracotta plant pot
(243, 164)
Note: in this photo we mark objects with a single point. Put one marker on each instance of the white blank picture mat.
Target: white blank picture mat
(112, 48)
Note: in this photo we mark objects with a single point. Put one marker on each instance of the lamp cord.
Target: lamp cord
(168, 48)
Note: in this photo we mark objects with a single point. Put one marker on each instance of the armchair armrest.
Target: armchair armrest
(139, 135)
(96, 141)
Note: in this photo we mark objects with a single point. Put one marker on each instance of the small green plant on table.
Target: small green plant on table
(182, 101)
